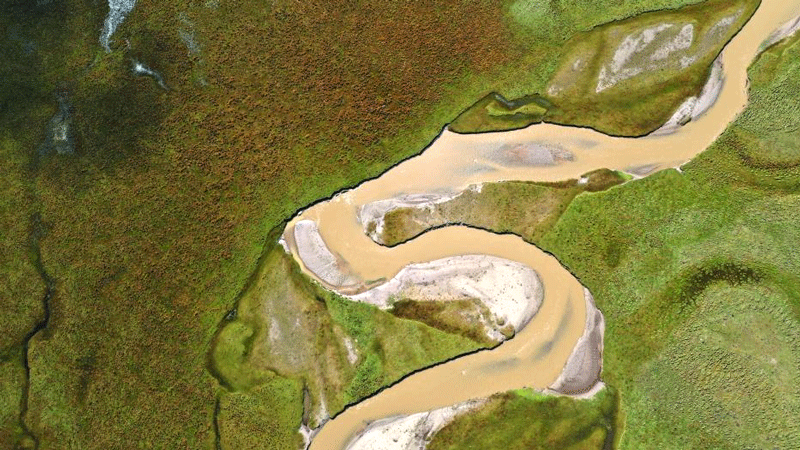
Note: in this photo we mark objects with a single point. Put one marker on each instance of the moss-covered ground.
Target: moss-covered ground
(152, 227)
(696, 274)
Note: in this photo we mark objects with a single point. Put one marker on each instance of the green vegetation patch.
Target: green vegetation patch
(726, 377)
(527, 209)
(11, 390)
(527, 420)
(768, 137)
(623, 77)
(495, 113)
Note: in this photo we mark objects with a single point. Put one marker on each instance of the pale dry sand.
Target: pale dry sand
(581, 374)
(317, 257)
(786, 30)
(371, 215)
(694, 107)
(412, 432)
(510, 290)
(671, 46)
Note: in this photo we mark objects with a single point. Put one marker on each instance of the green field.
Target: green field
(151, 230)
(526, 420)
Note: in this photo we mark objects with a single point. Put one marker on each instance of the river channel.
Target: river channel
(536, 355)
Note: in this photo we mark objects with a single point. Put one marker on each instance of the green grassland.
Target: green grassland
(634, 106)
(527, 209)
(268, 416)
(696, 275)
(527, 420)
(151, 229)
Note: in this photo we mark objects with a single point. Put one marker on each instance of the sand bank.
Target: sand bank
(786, 30)
(694, 107)
(510, 290)
(411, 432)
(581, 374)
(317, 257)
(371, 215)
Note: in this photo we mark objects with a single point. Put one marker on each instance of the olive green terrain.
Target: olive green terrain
(527, 209)
(696, 274)
(121, 260)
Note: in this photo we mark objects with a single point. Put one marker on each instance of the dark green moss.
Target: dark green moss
(688, 286)
(456, 317)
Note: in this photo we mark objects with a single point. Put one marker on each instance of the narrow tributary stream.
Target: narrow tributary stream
(535, 357)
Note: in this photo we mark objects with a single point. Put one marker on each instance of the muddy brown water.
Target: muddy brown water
(535, 357)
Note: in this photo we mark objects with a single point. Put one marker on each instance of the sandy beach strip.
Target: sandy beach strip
(581, 374)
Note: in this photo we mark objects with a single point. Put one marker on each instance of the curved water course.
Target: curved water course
(352, 263)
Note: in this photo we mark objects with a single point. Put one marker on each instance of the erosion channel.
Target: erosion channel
(537, 354)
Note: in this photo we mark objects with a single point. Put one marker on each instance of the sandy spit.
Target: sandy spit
(318, 258)
(371, 215)
(786, 30)
(510, 290)
(694, 107)
(581, 374)
(412, 432)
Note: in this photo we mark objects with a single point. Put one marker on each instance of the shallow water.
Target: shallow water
(535, 357)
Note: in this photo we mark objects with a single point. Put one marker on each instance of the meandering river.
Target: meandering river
(536, 356)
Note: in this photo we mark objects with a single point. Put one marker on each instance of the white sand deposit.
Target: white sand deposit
(694, 107)
(581, 374)
(371, 215)
(142, 70)
(318, 258)
(667, 46)
(510, 290)
(786, 30)
(411, 432)
(641, 171)
(352, 354)
(620, 67)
